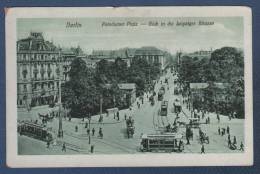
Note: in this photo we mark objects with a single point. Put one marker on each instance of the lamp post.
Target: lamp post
(89, 137)
(60, 131)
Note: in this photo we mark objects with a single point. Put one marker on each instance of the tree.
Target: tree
(79, 94)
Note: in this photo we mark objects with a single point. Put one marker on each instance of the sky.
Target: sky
(92, 35)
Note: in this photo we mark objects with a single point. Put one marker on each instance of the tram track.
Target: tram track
(115, 145)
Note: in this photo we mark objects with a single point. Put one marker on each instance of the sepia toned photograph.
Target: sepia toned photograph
(130, 85)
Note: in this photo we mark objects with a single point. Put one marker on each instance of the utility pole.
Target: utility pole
(89, 137)
(60, 131)
(101, 102)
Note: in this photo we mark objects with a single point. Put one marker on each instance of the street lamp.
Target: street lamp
(89, 137)
(60, 131)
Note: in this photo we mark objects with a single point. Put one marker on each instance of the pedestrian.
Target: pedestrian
(88, 131)
(234, 140)
(227, 129)
(100, 132)
(76, 128)
(229, 142)
(219, 130)
(241, 146)
(175, 142)
(208, 120)
(48, 144)
(93, 131)
(218, 118)
(86, 125)
(92, 148)
(63, 148)
(180, 145)
(125, 116)
(202, 149)
(117, 116)
(229, 137)
(224, 131)
(188, 140)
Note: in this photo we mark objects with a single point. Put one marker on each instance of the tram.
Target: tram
(162, 142)
(34, 130)
(164, 108)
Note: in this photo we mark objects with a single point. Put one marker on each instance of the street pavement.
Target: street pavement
(146, 121)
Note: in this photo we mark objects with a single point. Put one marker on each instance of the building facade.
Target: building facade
(153, 55)
(40, 67)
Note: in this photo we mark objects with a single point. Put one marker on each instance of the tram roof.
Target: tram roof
(33, 124)
(170, 135)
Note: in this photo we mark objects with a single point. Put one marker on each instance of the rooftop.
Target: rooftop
(128, 86)
(205, 85)
(35, 42)
(148, 51)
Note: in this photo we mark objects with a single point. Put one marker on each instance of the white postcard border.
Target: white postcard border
(15, 160)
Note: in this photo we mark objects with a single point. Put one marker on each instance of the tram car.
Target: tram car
(169, 142)
(33, 130)
(130, 129)
(177, 106)
(164, 108)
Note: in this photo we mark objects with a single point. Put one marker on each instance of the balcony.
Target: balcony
(44, 79)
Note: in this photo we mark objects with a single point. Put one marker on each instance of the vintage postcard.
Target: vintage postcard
(129, 86)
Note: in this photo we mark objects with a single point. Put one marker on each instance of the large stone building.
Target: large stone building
(112, 55)
(151, 54)
(40, 67)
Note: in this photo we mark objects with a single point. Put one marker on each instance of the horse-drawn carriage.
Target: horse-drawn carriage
(177, 106)
(189, 132)
(194, 123)
(161, 93)
(203, 137)
(130, 129)
(172, 129)
(151, 99)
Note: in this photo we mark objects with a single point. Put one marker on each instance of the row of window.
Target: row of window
(42, 86)
(45, 56)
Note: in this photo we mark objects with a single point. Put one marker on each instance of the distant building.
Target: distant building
(200, 54)
(40, 66)
(152, 55)
(111, 55)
